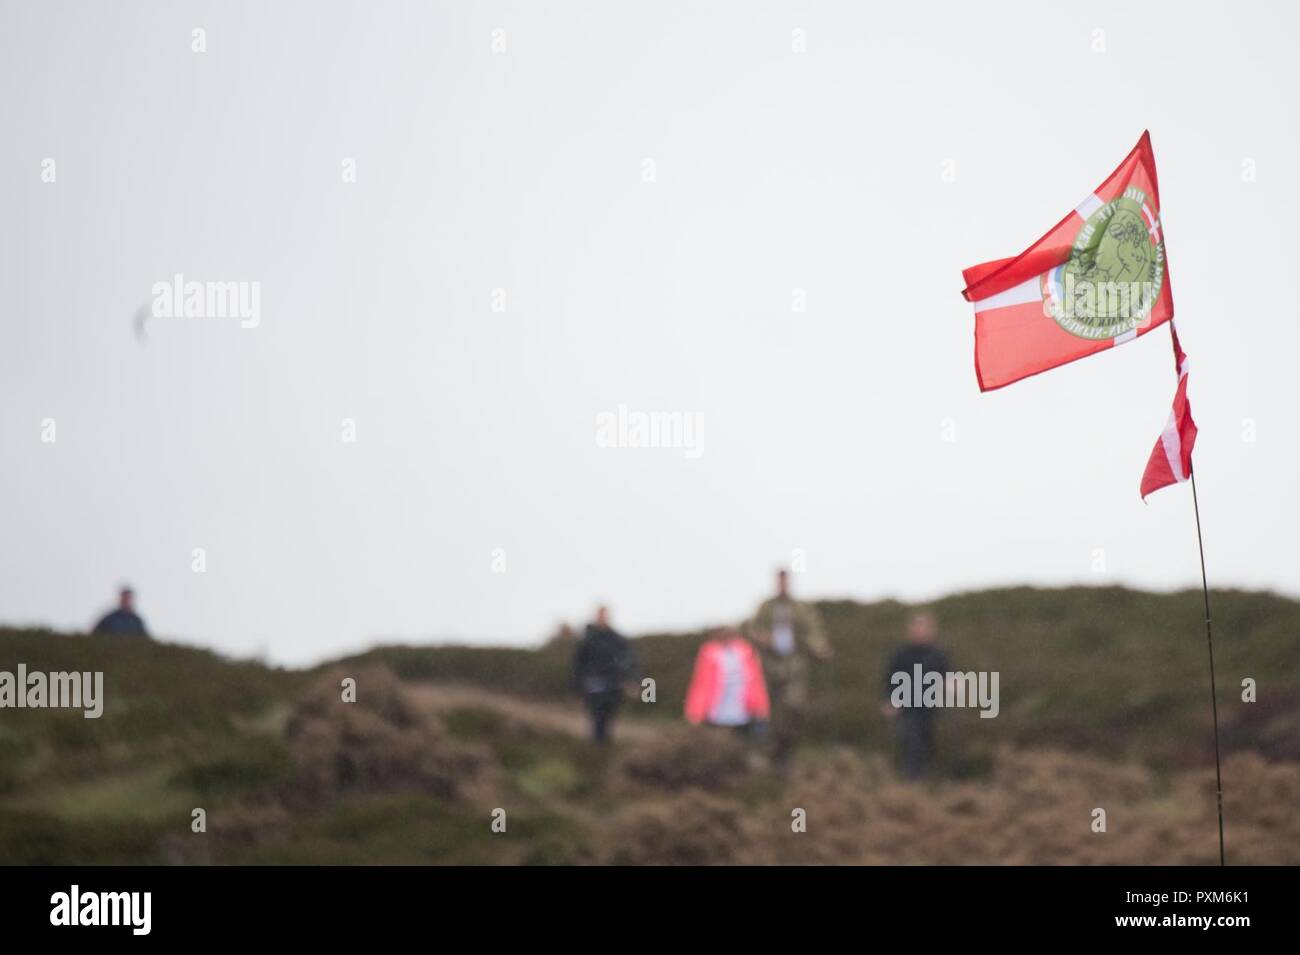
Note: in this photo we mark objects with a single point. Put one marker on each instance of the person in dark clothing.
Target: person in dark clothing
(914, 725)
(602, 663)
(124, 621)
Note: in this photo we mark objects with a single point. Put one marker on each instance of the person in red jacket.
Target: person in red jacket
(727, 687)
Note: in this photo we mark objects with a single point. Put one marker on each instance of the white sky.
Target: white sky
(523, 171)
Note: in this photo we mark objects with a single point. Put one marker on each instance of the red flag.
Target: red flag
(1171, 459)
(1096, 280)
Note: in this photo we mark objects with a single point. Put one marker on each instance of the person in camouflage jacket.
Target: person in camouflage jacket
(789, 636)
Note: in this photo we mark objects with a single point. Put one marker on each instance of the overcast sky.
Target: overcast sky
(559, 209)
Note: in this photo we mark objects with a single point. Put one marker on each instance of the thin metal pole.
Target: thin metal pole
(1209, 641)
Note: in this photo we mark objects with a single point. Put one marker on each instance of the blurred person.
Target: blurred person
(788, 634)
(562, 636)
(602, 662)
(727, 687)
(914, 725)
(124, 621)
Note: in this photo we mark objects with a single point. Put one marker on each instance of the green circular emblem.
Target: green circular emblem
(1113, 277)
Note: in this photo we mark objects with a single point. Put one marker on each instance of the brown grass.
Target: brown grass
(1036, 808)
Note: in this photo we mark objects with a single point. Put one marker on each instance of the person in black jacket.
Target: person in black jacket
(124, 621)
(914, 726)
(602, 663)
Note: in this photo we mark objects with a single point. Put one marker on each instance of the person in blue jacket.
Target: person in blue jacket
(124, 621)
(602, 663)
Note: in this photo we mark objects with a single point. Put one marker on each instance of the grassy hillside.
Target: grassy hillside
(1104, 703)
(1113, 671)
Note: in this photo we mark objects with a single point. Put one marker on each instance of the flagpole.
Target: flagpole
(1209, 641)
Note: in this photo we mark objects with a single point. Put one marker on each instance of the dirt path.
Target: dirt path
(567, 718)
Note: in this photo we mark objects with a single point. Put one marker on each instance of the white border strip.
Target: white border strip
(1088, 206)
(1022, 294)
(1173, 443)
